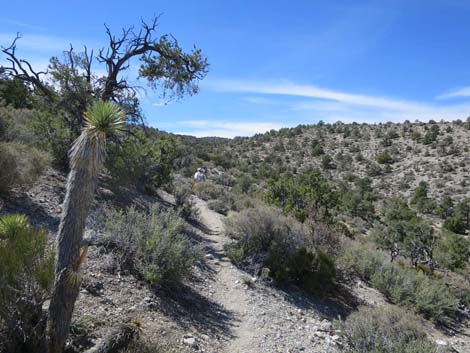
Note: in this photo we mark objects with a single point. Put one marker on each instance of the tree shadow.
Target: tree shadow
(38, 215)
(189, 309)
(202, 227)
(337, 302)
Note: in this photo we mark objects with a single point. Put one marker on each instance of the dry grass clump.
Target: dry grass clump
(20, 165)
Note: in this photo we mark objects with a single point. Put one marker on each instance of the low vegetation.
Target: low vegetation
(21, 165)
(26, 276)
(153, 244)
(311, 206)
(391, 330)
(264, 239)
(425, 293)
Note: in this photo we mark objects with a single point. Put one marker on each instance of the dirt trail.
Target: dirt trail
(264, 319)
(228, 286)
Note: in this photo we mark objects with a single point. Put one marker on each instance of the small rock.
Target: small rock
(190, 341)
(441, 343)
(325, 326)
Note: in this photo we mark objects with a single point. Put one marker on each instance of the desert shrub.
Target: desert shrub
(359, 201)
(384, 330)
(264, 238)
(15, 125)
(445, 207)
(453, 251)
(435, 300)
(312, 270)
(327, 162)
(431, 135)
(15, 93)
(384, 158)
(142, 161)
(317, 149)
(26, 277)
(373, 169)
(421, 200)
(458, 220)
(21, 165)
(53, 135)
(183, 203)
(308, 193)
(454, 224)
(208, 190)
(242, 202)
(361, 260)
(244, 183)
(405, 286)
(223, 204)
(405, 233)
(153, 244)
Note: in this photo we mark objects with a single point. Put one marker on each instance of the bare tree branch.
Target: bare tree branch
(22, 70)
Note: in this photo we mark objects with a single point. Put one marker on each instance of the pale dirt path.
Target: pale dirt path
(229, 291)
(265, 320)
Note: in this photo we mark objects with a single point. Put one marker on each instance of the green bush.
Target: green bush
(208, 190)
(154, 243)
(184, 204)
(264, 238)
(142, 161)
(384, 158)
(21, 165)
(53, 135)
(327, 162)
(401, 285)
(361, 260)
(223, 204)
(390, 330)
(453, 251)
(26, 277)
(455, 225)
(15, 125)
(307, 193)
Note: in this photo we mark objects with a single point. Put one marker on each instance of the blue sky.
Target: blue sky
(280, 63)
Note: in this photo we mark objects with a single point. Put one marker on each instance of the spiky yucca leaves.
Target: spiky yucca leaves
(87, 156)
(12, 224)
(89, 150)
(26, 277)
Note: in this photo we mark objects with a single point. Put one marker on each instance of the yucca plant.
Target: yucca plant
(26, 277)
(86, 156)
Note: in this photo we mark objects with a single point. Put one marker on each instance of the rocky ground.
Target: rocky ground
(219, 309)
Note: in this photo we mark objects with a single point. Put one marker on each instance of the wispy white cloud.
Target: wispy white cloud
(204, 128)
(292, 89)
(36, 42)
(331, 104)
(258, 100)
(25, 25)
(461, 92)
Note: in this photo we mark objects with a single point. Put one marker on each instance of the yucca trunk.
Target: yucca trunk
(81, 186)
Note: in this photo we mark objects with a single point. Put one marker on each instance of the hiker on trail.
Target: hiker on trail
(200, 175)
